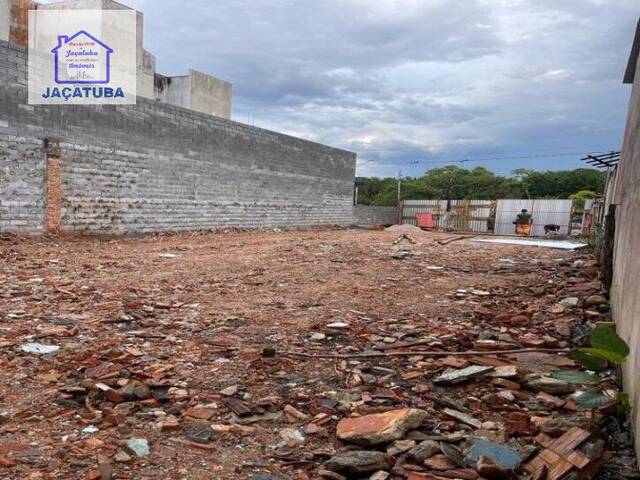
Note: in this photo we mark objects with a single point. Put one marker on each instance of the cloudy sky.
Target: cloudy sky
(414, 84)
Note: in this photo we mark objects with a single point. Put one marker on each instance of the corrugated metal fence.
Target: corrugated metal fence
(491, 216)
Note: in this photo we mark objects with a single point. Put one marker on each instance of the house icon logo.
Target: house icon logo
(81, 59)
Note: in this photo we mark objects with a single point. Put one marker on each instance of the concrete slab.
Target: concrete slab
(561, 244)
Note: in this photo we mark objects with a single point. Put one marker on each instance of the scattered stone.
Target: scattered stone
(400, 446)
(505, 371)
(380, 475)
(595, 300)
(292, 436)
(237, 406)
(229, 391)
(508, 384)
(453, 377)
(331, 475)
(200, 433)
(463, 417)
(424, 450)
(135, 390)
(338, 325)
(550, 400)
(440, 462)
(380, 427)
(294, 413)
(122, 457)
(506, 395)
(481, 293)
(570, 301)
(39, 348)
(563, 327)
(549, 385)
(358, 461)
(169, 423)
(519, 321)
(138, 446)
(560, 361)
(489, 470)
(317, 337)
(454, 362)
(453, 454)
(483, 313)
(505, 457)
(200, 413)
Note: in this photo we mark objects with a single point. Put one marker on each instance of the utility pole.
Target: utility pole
(413, 162)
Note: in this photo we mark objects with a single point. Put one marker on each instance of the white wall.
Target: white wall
(210, 94)
(5, 19)
(625, 301)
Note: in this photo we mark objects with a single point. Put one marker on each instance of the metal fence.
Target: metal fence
(491, 216)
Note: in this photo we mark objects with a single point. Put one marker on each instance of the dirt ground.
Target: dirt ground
(185, 319)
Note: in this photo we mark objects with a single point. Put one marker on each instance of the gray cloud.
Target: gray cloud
(405, 80)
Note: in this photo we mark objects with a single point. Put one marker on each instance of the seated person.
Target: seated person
(523, 222)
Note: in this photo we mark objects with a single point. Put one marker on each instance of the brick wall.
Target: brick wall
(53, 195)
(154, 167)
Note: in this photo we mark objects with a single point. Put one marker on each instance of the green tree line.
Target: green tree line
(455, 183)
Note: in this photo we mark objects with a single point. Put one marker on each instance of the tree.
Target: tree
(455, 183)
(372, 188)
(580, 197)
(561, 183)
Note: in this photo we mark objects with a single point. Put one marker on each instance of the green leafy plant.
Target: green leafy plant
(607, 353)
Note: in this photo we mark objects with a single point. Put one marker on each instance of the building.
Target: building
(623, 227)
(196, 91)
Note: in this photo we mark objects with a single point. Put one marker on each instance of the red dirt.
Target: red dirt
(199, 320)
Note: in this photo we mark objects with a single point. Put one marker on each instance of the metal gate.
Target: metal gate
(453, 215)
(491, 216)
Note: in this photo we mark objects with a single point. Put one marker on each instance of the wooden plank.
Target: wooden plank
(559, 470)
(569, 441)
(544, 440)
(559, 456)
(578, 460)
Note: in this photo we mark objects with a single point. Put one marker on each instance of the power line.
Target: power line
(490, 159)
(413, 148)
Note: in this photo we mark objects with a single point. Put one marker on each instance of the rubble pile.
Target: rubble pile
(336, 354)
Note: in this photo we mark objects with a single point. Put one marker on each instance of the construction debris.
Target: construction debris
(453, 377)
(298, 355)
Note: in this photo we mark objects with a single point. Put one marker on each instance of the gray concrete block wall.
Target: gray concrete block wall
(372, 215)
(22, 163)
(155, 167)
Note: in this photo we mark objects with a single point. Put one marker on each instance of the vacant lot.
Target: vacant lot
(161, 338)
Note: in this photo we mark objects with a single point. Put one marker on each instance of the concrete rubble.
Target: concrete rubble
(298, 355)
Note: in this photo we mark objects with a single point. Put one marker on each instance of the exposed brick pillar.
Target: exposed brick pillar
(54, 194)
